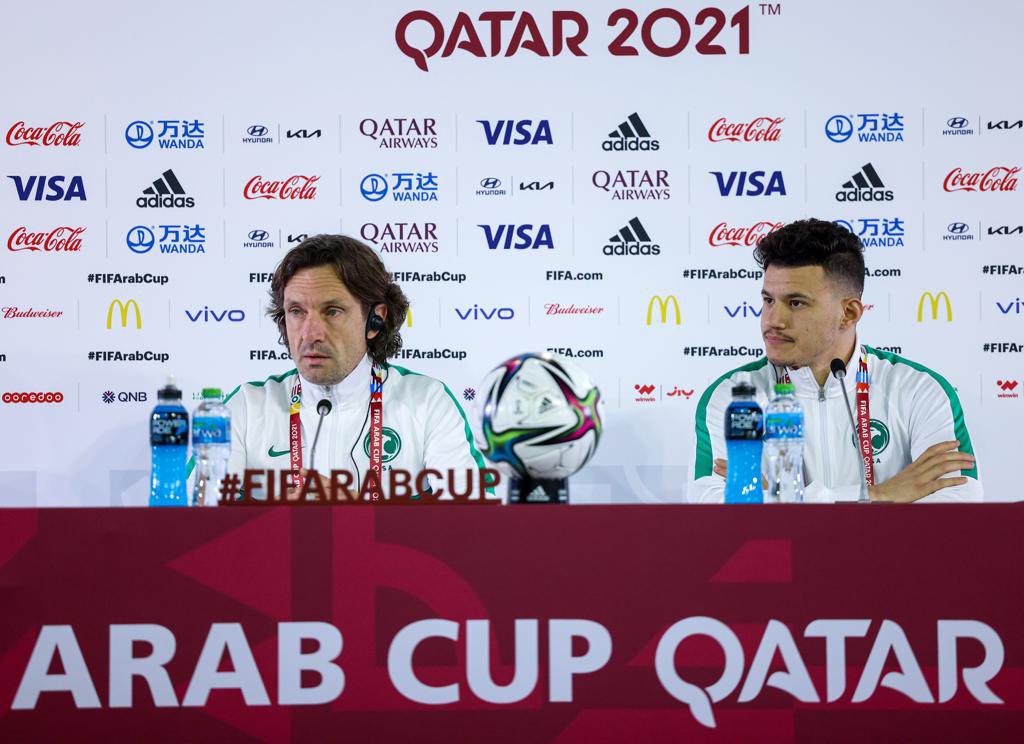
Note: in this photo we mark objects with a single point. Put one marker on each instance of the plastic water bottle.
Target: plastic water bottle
(168, 438)
(784, 447)
(744, 427)
(211, 447)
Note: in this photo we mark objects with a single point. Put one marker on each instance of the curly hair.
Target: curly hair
(362, 272)
(814, 242)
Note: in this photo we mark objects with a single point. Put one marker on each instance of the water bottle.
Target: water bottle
(211, 447)
(784, 447)
(744, 427)
(168, 437)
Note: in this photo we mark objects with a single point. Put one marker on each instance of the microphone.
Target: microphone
(838, 368)
(322, 409)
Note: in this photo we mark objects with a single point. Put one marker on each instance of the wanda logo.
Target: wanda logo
(723, 234)
(58, 134)
(59, 239)
(290, 189)
(761, 129)
(998, 178)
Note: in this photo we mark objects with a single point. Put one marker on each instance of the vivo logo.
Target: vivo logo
(745, 310)
(520, 237)
(512, 132)
(206, 315)
(32, 187)
(744, 183)
(479, 313)
(1013, 306)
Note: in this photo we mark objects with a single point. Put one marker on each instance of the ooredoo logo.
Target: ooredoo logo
(60, 239)
(761, 129)
(32, 397)
(58, 134)
(997, 178)
(293, 188)
(724, 234)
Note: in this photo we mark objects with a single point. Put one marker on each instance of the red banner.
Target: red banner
(570, 624)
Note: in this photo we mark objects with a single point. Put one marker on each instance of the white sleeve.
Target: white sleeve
(237, 407)
(819, 493)
(704, 486)
(449, 445)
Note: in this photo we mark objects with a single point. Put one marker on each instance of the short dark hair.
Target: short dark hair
(362, 272)
(814, 242)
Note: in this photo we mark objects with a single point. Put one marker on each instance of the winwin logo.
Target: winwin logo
(663, 306)
(632, 240)
(865, 186)
(166, 192)
(934, 300)
(123, 308)
(631, 136)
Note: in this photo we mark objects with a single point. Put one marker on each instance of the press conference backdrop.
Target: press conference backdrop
(590, 181)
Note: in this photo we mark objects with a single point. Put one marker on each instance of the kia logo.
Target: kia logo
(138, 134)
(256, 130)
(374, 187)
(140, 239)
(258, 235)
(490, 183)
(956, 228)
(957, 122)
(839, 128)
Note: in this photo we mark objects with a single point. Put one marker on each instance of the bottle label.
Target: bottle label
(170, 428)
(211, 430)
(743, 422)
(783, 425)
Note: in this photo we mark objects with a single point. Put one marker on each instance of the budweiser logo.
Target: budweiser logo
(999, 178)
(761, 129)
(295, 187)
(67, 239)
(722, 234)
(58, 134)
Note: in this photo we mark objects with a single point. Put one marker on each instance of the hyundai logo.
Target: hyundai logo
(957, 122)
(256, 130)
(374, 187)
(258, 235)
(490, 183)
(847, 225)
(138, 134)
(140, 239)
(957, 228)
(839, 128)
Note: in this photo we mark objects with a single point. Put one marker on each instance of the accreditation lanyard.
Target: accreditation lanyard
(376, 431)
(863, 417)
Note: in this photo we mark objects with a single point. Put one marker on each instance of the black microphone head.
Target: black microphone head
(323, 407)
(838, 367)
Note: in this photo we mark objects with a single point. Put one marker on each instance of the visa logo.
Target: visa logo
(502, 131)
(502, 236)
(743, 183)
(743, 310)
(479, 313)
(33, 187)
(206, 315)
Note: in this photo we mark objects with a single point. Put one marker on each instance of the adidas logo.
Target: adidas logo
(631, 136)
(865, 186)
(166, 193)
(632, 240)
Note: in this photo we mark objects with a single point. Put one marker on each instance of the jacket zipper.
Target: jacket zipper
(826, 464)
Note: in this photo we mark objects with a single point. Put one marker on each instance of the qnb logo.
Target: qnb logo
(169, 134)
(257, 134)
(518, 237)
(165, 193)
(663, 305)
(997, 178)
(64, 239)
(401, 133)
(32, 397)
(869, 127)
(123, 308)
(933, 302)
(401, 237)
(482, 313)
(206, 315)
(957, 126)
(958, 231)
(743, 310)
(109, 396)
(750, 183)
(631, 135)
(58, 134)
(49, 188)
(777, 641)
(293, 188)
(761, 129)
(517, 132)
(722, 234)
(864, 186)
(1013, 307)
(633, 185)
(631, 240)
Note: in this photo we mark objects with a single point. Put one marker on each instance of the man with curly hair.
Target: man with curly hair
(911, 431)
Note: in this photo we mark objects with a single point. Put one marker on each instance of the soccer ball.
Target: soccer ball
(541, 417)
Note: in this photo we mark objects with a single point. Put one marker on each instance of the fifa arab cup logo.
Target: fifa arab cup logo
(390, 446)
(879, 438)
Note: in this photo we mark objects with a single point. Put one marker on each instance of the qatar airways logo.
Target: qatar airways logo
(58, 134)
(723, 234)
(293, 188)
(998, 178)
(62, 239)
(761, 129)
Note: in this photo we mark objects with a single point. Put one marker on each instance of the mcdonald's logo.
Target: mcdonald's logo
(123, 308)
(663, 305)
(408, 316)
(934, 300)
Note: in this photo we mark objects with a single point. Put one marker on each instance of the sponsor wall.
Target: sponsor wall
(587, 181)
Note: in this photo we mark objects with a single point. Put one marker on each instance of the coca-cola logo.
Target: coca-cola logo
(289, 189)
(58, 134)
(32, 397)
(60, 239)
(997, 178)
(723, 234)
(761, 129)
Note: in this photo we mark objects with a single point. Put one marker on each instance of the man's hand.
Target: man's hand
(923, 476)
(294, 494)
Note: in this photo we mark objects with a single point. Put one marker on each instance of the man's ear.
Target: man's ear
(853, 311)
